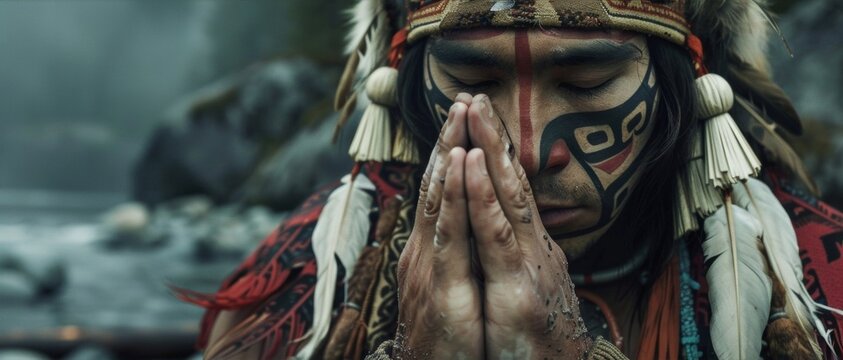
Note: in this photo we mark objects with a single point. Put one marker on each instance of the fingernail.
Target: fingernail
(488, 103)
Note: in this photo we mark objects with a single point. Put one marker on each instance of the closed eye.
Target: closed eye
(472, 86)
(587, 90)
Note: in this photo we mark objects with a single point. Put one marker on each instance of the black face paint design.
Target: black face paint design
(437, 101)
(601, 141)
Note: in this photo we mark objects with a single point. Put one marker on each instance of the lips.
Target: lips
(561, 218)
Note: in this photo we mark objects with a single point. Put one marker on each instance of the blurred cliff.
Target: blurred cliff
(153, 142)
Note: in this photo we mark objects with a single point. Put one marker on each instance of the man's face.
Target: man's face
(578, 107)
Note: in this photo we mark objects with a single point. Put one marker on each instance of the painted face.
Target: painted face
(578, 107)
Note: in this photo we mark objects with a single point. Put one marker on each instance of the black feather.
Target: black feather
(764, 94)
(776, 148)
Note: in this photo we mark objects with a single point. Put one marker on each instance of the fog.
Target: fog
(84, 82)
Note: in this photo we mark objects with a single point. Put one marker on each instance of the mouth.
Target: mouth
(561, 218)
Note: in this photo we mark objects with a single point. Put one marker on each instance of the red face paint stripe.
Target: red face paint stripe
(613, 163)
(524, 67)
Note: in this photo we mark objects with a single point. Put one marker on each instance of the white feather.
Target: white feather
(740, 301)
(783, 254)
(370, 27)
(341, 232)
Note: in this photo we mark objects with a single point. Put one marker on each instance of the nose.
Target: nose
(558, 155)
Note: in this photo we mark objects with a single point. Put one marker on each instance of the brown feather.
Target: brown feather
(761, 91)
(785, 339)
(345, 113)
(776, 148)
(347, 80)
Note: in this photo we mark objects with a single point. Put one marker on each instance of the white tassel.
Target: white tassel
(373, 139)
(740, 302)
(705, 199)
(728, 156)
(684, 220)
(341, 231)
(783, 255)
(404, 149)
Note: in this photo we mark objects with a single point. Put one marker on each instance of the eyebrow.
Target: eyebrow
(454, 53)
(600, 52)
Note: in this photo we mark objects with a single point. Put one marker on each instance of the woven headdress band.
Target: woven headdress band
(664, 19)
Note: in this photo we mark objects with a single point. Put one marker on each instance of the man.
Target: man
(586, 194)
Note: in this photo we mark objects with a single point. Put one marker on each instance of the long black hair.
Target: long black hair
(648, 216)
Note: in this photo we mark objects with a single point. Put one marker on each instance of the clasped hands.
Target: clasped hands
(517, 301)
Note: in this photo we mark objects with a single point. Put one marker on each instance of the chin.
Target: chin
(576, 247)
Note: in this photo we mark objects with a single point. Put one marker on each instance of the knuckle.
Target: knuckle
(431, 206)
(442, 145)
(451, 194)
(526, 216)
(425, 184)
(443, 231)
(488, 197)
(502, 233)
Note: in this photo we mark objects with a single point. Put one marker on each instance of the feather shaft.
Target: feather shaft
(750, 305)
(733, 242)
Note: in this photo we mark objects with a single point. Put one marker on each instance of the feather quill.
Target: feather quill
(750, 120)
(741, 305)
(340, 235)
(783, 255)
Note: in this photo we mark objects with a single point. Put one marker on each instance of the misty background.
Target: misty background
(153, 142)
(85, 82)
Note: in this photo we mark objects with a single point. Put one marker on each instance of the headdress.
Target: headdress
(733, 33)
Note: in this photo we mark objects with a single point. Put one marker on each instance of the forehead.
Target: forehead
(497, 46)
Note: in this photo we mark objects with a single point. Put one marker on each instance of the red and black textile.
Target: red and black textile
(278, 279)
(819, 228)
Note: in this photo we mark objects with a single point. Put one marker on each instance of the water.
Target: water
(109, 291)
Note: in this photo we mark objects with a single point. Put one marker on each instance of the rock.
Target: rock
(28, 276)
(90, 352)
(16, 287)
(125, 226)
(298, 168)
(217, 137)
(194, 207)
(129, 218)
(233, 231)
(21, 354)
(202, 158)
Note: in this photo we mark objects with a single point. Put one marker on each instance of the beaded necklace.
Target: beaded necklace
(615, 273)
(690, 338)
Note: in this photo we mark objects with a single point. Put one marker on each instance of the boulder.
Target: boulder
(215, 140)
(90, 352)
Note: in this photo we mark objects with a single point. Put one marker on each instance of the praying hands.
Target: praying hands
(480, 277)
